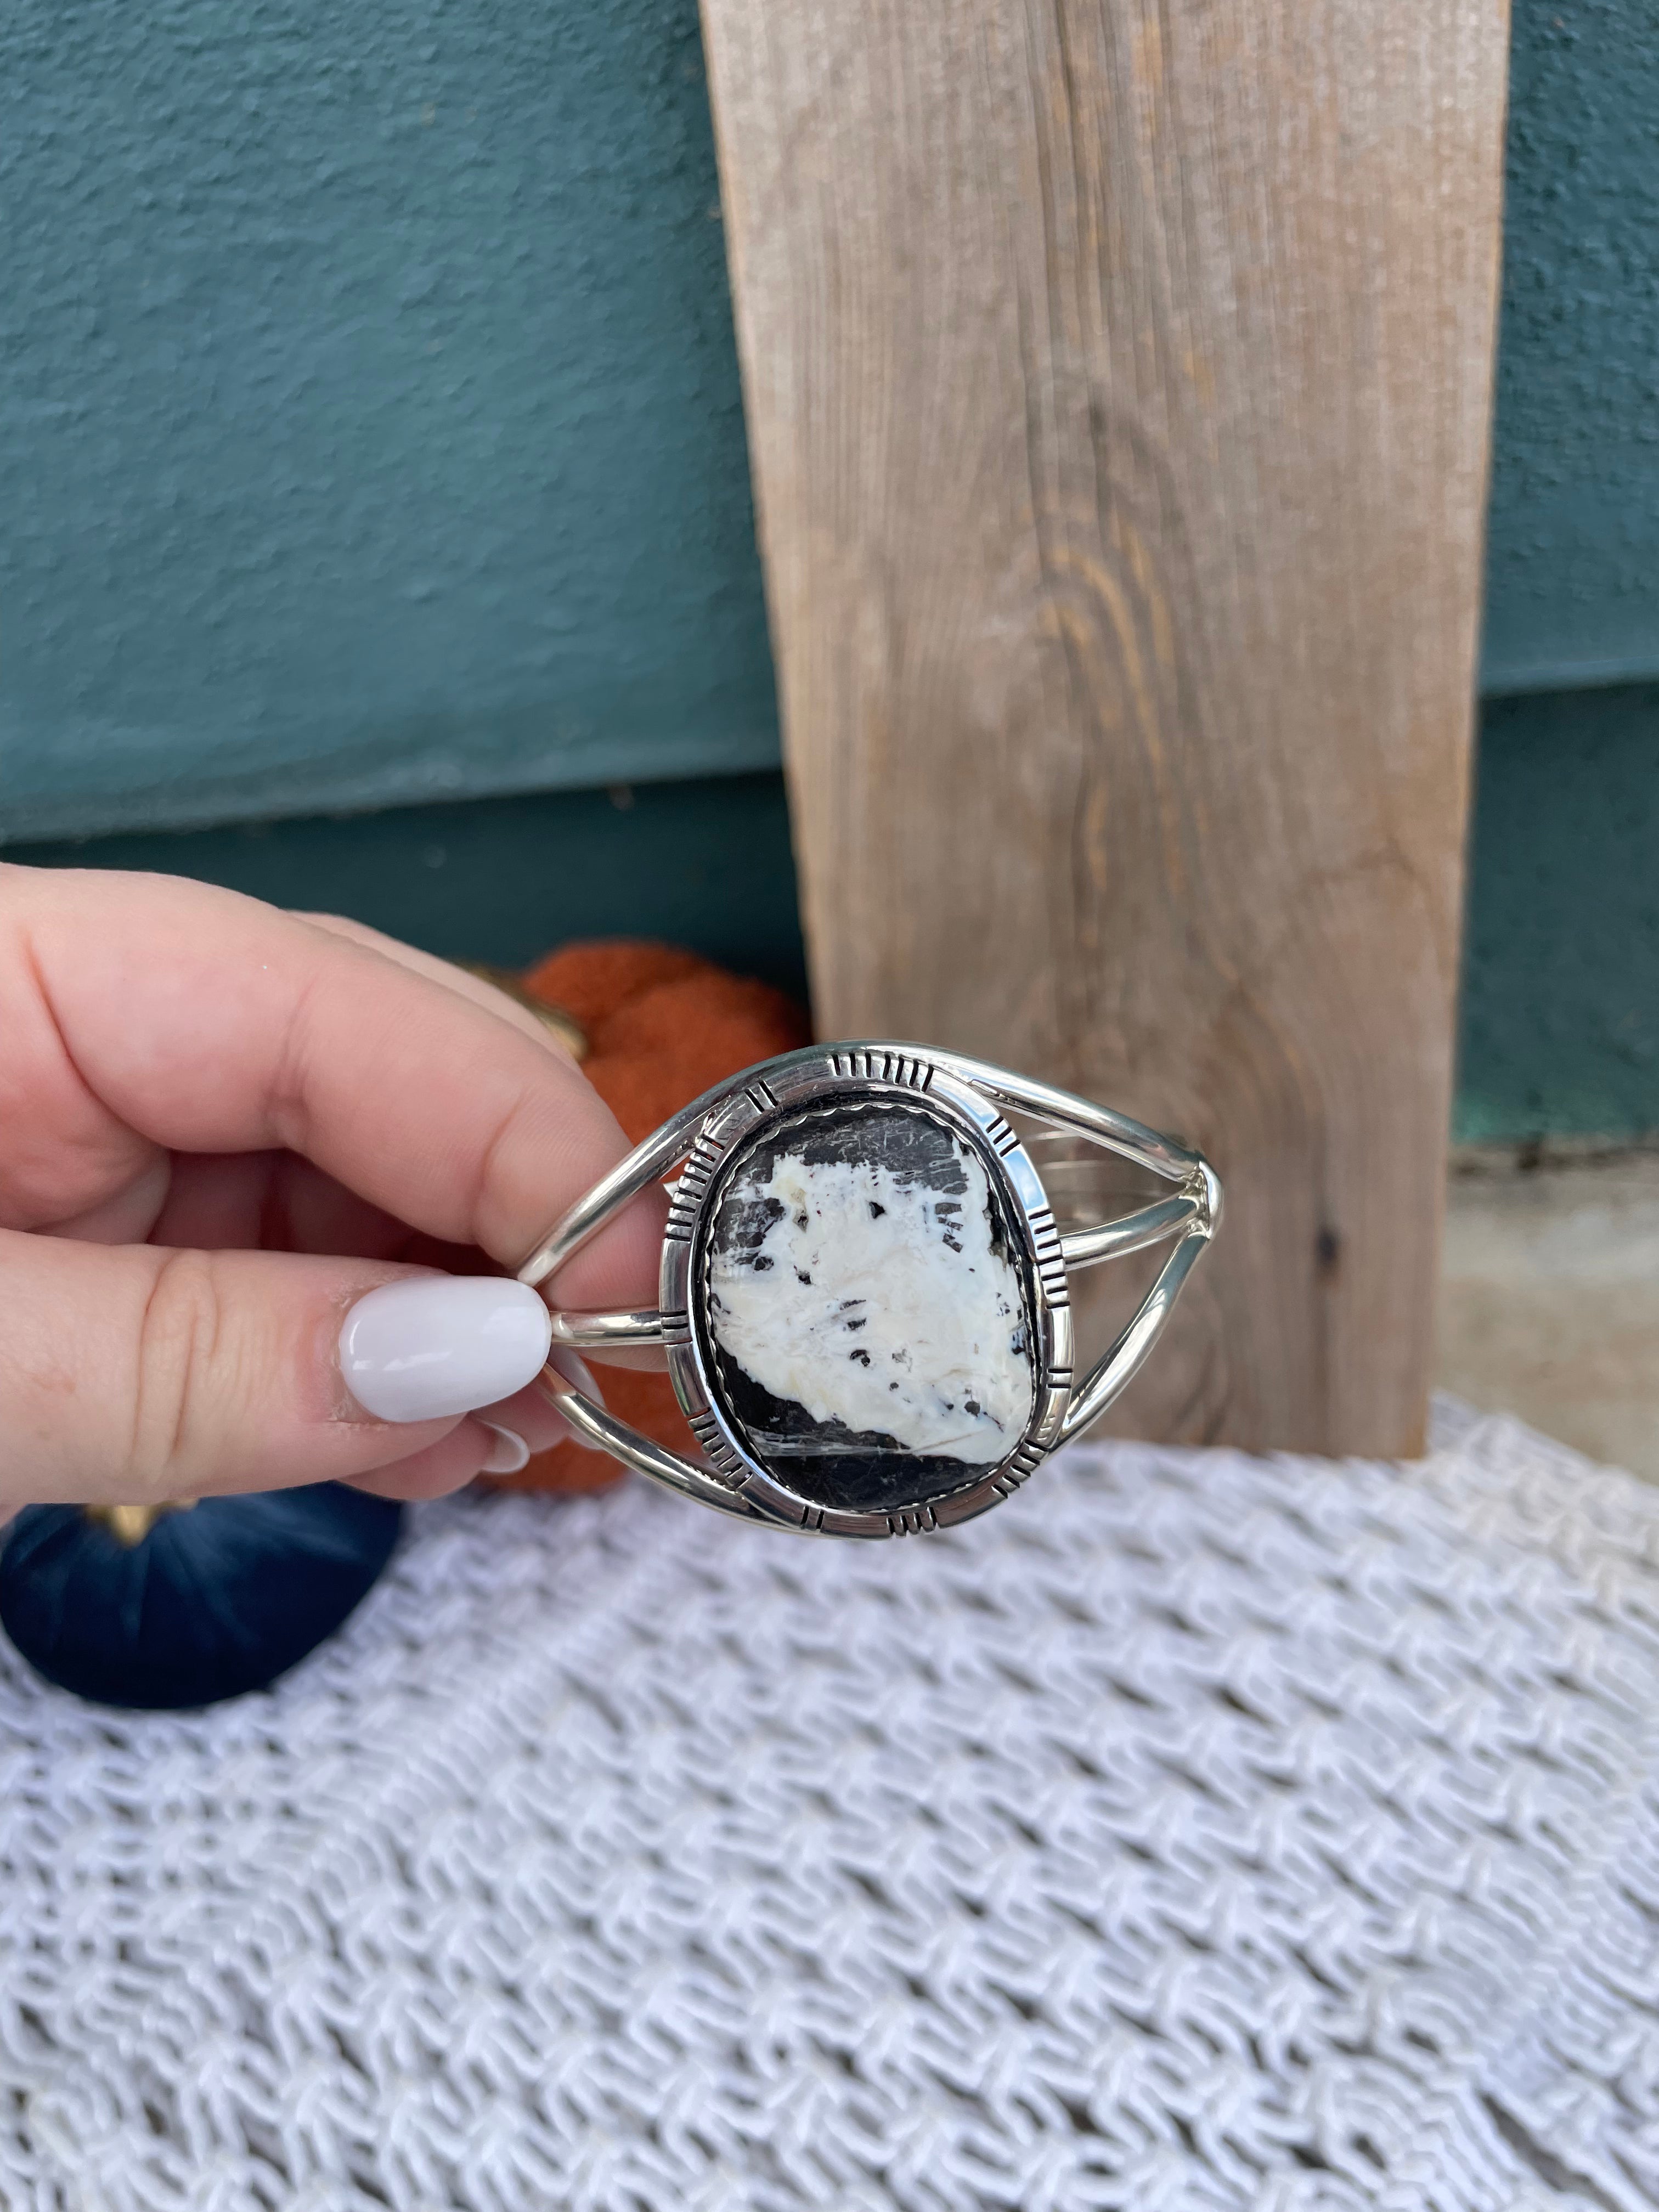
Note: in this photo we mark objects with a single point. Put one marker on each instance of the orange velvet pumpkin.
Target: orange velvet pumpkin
(662, 1026)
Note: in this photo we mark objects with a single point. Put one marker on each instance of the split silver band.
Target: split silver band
(923, 1135)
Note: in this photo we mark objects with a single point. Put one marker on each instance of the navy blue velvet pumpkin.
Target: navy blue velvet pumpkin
(213, 1600)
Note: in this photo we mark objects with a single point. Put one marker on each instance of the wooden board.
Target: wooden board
(1117, 375)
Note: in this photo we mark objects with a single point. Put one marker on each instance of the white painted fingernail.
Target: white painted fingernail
(507, 1454)
(577, 1371)
(435, 1345)
(574, 1369)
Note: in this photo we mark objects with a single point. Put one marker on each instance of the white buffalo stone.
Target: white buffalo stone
(879, 1302)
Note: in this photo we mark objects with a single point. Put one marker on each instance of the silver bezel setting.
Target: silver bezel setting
(691, 1154)
(841, 1078)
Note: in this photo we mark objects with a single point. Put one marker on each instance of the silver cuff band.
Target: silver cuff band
(863, 1296)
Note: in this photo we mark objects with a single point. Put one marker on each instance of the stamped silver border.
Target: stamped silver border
(971, 1097)
(832, 1079)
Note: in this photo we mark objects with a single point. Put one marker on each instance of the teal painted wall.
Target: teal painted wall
(369, 419)
(1560, 1000)
(1572, 592)
(1560, 1003)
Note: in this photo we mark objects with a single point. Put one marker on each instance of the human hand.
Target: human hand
(224, 1132)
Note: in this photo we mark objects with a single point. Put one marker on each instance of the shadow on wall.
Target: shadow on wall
(1560, 1006)
(1560, 1019)
(706, 865)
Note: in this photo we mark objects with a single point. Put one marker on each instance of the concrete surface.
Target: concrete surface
(1550, 1295)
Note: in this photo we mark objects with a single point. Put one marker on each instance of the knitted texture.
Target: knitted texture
(1193, 1831)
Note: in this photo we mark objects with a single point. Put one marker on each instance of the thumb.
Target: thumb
(133, 1374)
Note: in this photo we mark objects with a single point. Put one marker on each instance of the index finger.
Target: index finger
(210, 1022)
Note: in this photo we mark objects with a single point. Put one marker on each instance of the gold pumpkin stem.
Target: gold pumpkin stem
(131, 1524)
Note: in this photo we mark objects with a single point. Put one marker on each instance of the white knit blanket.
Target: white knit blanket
(1193, 1831)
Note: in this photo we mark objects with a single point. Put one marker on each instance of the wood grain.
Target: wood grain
(1117, 375)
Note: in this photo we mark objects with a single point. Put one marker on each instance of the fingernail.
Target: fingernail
(507, 1454)
(435, 1345)
(576, 1370)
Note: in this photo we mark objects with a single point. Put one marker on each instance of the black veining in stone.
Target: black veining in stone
(826, 1462)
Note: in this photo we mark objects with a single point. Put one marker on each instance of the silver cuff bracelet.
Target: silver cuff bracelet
(863, 1295)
